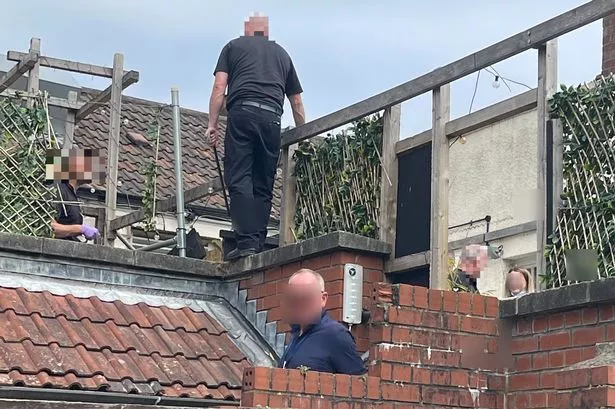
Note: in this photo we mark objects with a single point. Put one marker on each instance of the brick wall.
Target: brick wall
(266, 286)
(546, 349)
(608, 44)
(416, 361)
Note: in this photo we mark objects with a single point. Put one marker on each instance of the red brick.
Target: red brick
(421, 376)
(273, 274)
(278, 401)
(573, 379)
(402, 373)
(401, 335)
(558, 340)
(401, 393)
(335, 301)
(358, 387)
(523, 363)
(441, 377)
(256, 378)
(435, 299)
(587, 336)
(316, 262)
(342, 405)
(478, 380)
(556, 359)
(556, 321)
(440, 396)
(450, 322)
(477, 325)
(441, 358)
(465, 303)
(295, 381)
(373, 387)
(380, 333)
(420, 297)
(449, 301)
(459, 378)
(522, 382)
(538, 400)
(478, 305)
(404, 316)
(496, 382)
(434, 339)
(492, 307)
(332, 273)
(547, 379)
(342, 385)
(588, 353)
(326, 384)
(590, 315)
(290, 269)
(523, 327)
(254, 399)
(335, 287)
(540, 360)
(312, 382)
(368, 262)
(541, 324)
(607, 313)
(275, 314)
(431, 319)
(572, 356)
(300, 402)
(573, 318)
(269, 302)
(279, 380)
(610, 332)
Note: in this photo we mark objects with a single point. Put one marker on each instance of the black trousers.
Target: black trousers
(251, 150)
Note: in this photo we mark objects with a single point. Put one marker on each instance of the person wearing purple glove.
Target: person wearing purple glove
(68, 223)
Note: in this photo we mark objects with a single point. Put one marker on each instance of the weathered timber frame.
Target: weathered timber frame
(31, 62)
(542, 37)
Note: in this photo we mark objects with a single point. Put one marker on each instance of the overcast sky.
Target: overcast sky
(344, 50)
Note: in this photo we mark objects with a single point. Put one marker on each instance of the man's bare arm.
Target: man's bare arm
(296, 103)
(216, 101)
(66, 230)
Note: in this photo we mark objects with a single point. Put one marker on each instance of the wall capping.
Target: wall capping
(569, 297)
(72, 251)
(311, 247)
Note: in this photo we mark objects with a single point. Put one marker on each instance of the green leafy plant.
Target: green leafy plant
(338, 181)
(26, 203)
(586, 219)
(150, 174)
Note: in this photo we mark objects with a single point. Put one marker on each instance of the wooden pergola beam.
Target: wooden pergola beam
(18, 70)
(523, 41)
(66, 65)
(167, 205)
(53, 101)
(103, 97)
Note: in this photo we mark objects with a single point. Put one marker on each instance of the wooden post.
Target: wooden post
(115, 105)
(69, 126)
(438, 268)
(558, 167)
(33, 74)
(388, 187)
(547, 85)
(289, 196)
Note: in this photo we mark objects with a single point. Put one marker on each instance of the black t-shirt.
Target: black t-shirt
(67, 214)
(259, 70)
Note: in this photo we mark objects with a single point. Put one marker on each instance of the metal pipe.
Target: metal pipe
(159, 245)
(100, 397)
(124, 241)
(179, 183)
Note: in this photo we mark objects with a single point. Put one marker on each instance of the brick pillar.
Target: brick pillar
(608, 44)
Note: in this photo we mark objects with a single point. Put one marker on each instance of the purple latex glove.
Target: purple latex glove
(90, 233)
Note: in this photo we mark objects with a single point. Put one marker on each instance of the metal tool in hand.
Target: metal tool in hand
(228, 210)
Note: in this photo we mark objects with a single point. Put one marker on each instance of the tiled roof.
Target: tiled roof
(138, 115)
(48, 340)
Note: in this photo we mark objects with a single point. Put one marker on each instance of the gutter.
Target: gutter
(97, 397)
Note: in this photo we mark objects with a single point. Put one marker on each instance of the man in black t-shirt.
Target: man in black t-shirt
(259, 74)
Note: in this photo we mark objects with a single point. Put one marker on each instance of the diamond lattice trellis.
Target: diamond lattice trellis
(26, 204)
(587, 217)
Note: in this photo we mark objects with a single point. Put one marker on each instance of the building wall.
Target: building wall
(493, 172)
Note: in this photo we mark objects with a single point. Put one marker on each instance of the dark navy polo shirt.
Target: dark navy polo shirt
(327, 346)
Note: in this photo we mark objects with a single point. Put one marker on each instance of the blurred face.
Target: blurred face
(516, 283)
(304, 300)
(475, 261)
(257, 26)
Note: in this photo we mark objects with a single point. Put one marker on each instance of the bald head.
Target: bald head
(257, 25)
(305, 297)
(307, 277)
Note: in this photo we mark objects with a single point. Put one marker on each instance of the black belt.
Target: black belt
(261, 106)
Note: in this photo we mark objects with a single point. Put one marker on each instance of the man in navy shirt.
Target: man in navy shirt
(318, 342)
